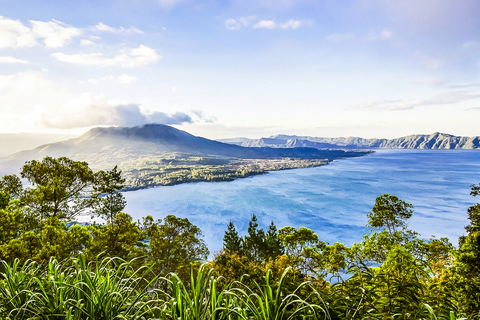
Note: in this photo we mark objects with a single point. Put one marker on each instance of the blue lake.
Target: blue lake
(332, 200)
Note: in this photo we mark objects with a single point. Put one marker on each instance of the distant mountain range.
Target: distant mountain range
(158, 154)
(419, 141)
(105, 147)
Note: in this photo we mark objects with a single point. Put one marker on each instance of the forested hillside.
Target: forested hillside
(157, 154)
(116, 268)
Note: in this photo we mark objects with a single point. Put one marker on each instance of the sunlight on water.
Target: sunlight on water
(332, 200)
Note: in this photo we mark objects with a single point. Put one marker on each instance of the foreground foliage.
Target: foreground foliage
(53, 268)
(114, 289)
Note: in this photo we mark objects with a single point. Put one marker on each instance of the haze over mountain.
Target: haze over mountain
(417, 141)
(15, 142)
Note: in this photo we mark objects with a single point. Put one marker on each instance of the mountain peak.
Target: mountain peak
(147, 132)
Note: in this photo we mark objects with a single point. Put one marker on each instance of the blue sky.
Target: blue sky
(242, 67)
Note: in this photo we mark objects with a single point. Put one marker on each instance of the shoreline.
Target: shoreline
(239, 170)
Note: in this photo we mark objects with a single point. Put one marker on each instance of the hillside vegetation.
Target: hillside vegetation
(53, 268)
(162, 155)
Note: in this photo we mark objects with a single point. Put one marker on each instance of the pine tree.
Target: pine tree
(254, 243)
(111, 201)
(231, 241)
(273, 246)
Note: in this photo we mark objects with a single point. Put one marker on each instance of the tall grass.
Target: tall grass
(201, 302)
(112, 289)
(431, 314)
(270, 301)
(107, 290)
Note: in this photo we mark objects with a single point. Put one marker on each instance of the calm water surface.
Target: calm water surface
(332, 200)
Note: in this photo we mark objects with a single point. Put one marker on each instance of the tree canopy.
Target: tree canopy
(393, 272)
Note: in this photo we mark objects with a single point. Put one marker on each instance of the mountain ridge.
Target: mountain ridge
(435, 140)
(158, 154)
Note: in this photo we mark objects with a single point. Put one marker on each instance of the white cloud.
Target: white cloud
(90, 110)
(50, 104)
(446, 98)
(123, 79)
(136, 57)
(126, 79)
(385, 34)
(265, 24)
(295, 24)
(237, 24)
(53, 34)
(22, 111)
(246, 21)
(251, 21)
(105, 28)
(14, 34)
(12, 60)
(86, 42)
(232, 24)
(338, 37)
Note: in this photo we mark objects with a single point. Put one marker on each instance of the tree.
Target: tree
(469, 260)
(231, 241)
(59, 187)
(12, 222)
(254, 242)
(232, 266)
(175, 244)
(390, 213)
(107, 187)
(10, 188)
(299, 246)
(295, 240)
(273, 245)
(121, 238)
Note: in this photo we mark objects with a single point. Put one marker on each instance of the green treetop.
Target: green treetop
(390, 213)
(231, 241)
(108, 185)
(469, 260)
(59, 187)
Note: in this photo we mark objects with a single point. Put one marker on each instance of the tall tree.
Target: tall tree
(174, 244)
(59, 187)
(253, 245)
(120, 238)
(469, 260)
(273, 245)
(231, 241)
(107, 187)
(10, 188)
(390, 213)
(299, 246)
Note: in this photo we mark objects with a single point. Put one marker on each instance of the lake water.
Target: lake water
(332, 200)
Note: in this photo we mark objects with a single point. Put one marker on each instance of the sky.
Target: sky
(250, 68)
